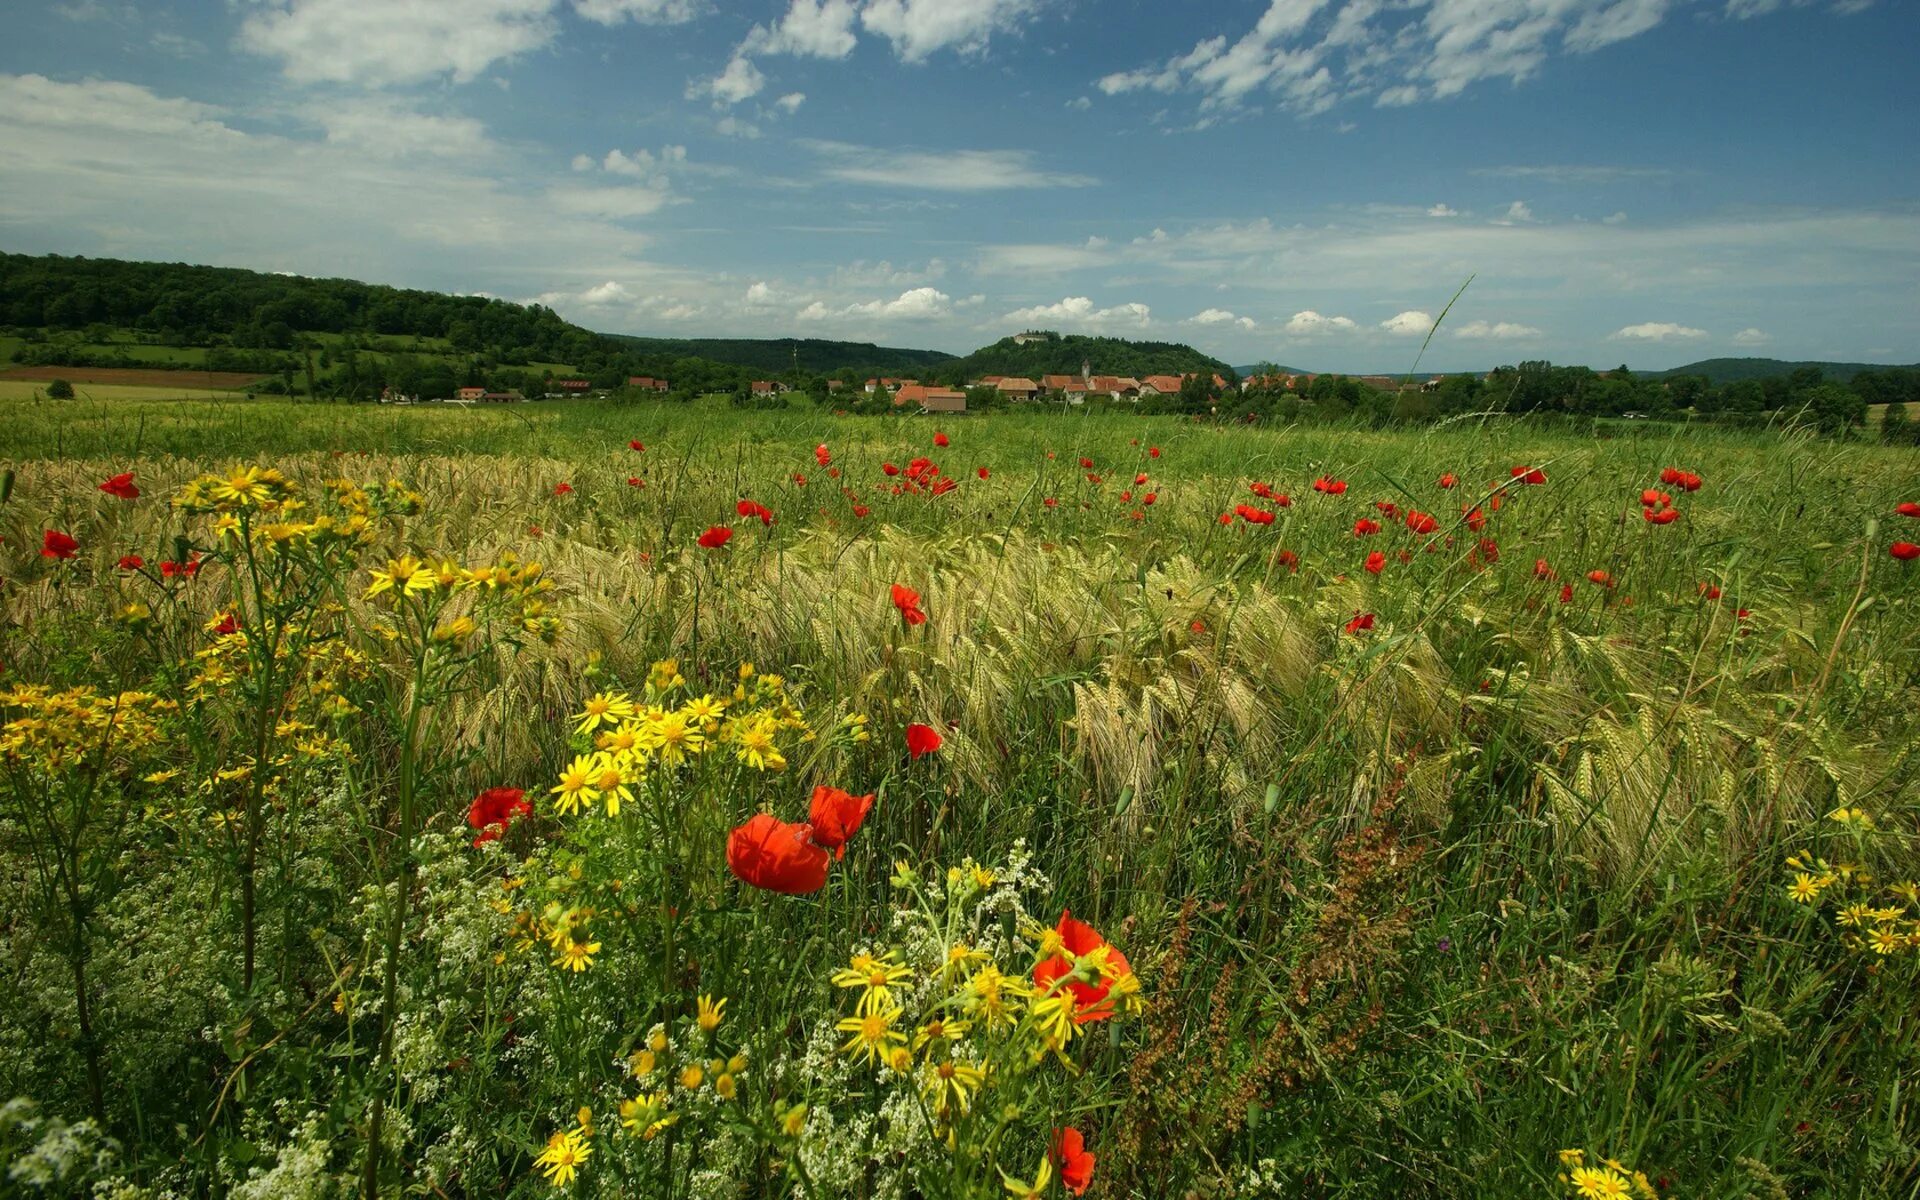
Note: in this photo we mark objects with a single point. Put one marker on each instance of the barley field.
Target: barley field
(664, 801)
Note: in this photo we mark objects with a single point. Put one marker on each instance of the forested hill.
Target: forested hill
(1721, 371)
(1063, 355)
(197, 306)
(776, 355)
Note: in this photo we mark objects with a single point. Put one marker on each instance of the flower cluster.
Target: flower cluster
(1609, 1180)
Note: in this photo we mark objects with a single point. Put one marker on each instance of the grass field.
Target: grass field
(1472, 829)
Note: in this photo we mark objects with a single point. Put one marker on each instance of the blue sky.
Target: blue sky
(1302, 181)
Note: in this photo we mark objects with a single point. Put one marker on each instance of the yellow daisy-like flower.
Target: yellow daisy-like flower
(576, 785)
(874, 1036)
(725, 1088)
(671, 739)
(1907, 890)
(940, 1030)
(1884, 940)
(1804, 889)
(561, 1160)
(711, 1013)
(604, 708)
(1599, 1183)
(647, 1115)
(577, 954)
(610, 779)
(692, 1076)
(951, 1085)
(704, 712)
(1853, 915)
(1053, 1018)
(879, 976)
(406, 573)
(754, 745)
(992, 997)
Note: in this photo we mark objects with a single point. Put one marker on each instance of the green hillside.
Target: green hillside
(1107, 356)
(776, 355)
(1719, 371)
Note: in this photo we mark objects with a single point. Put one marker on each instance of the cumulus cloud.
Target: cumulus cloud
(740, 81)
(1495, 331)
(1412, 323)
(1751, 337)
(376, 43)
(1658, 331)
(1079, 312)
(1220, 316)
(1441, 210)
(918, 28)
(1517, 214)
(915, 304)
(1311, 324)
(760, 293)
(646, 12)
(947, 171)
(393, 130)
(791, 102)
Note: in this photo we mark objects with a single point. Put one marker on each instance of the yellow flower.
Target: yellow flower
(611, 782)
(657, 1040)
(704, 712)
(1599, 1183)
(641, 1062)
(874, 1036)
(692, 1076)
(755, 745)
(1572, 1158)
(1053, 1018)
(1804, 889)
(406, 573)
(940, 1030)
(577, 954)
(646, 1115)
(1907, 890)
(724, 1087)
(1021, 1190)
(561, 1160)
(576, 785)
(711, 1013)
(951, 1085)
(879, 976)
(608, 708)
(1884, 940)
(671, 739)
(1853, 915)
(793, 1122)
(992, 997)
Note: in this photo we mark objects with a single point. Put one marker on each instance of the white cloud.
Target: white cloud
(381, 42)
(646, 12)
(947, 171)
(1517, 214)
(1220, 316)
(1079, 312)
(791, 102)
(1495, 331)
(1311, 324)
(1658, 331)
(740, 81)
(609, 292)
(810, 29)
(918, 28)
(1441, 210)
(732, 126)
(1619, 218)
(1080, 103)
(1615, 22)
(1751, 337)
(608, 203)
(760, 293)
(389, 129)
(916, 304)
(1412, 323)
(1566, 173)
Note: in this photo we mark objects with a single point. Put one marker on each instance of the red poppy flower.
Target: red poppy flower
(1600, 577)
(1907, 509)
(1070, 1154)
(1387, 506)
(1662, 516)
(1566, 593)
(1289, 560)
(1904, 551)
(1126, 497)
(1252, 515)
(1533, 475)
(1197, 626)
(1051, 502)
(1077, 940)
(1490, 550)
(821, 456)
(1422, 523)
(1376, 563)
(942, 486)
(1448, 480)
(1541, 570)
(923, 739)
(715, 537)
(635, 445)
(1476, 520)
(861, 510)
(494, 809)
(836, 816)
(1153, 452)
(940, 440)
(889, 469)
(121, 485)
(752, 508)
(563, 489)
(226, 625)
(1150, 497)
(1654, 498)
(634, 481)
(1674, 476)
(775, 856)
(1331, 487)
(54, 544)
(1262, 490)
(1086, 464)
(981, 472)
(132, 562)
(1360, 623)
(799, 479)
(1226, 518)
(908, 602)
(1366, 527)
(1710, 591)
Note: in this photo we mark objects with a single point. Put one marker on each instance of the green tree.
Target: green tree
(60, 389)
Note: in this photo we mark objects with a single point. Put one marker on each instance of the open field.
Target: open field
(134, 377)
(1531, 839)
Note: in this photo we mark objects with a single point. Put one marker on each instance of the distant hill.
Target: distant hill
(774, 355)
(1252, 369)
(1721, 371)
(1107, 356)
